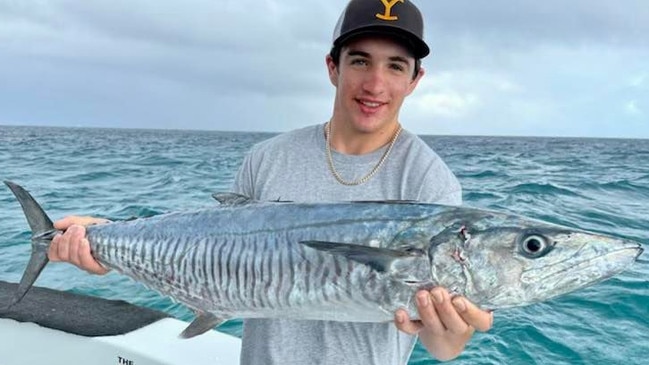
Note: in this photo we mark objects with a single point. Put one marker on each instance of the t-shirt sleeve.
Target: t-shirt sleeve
(243, 181)
(440, 186)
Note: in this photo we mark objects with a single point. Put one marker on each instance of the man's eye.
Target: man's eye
(360, 62)
(397, 67)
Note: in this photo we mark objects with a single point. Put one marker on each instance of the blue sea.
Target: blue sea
(594, 184)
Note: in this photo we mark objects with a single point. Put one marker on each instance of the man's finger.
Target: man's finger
(477, 318)
(73, 247)
(428, 313)
(53, 252)
(68, 221)
(87, 261)
(404, 324)
(447, 313)
(63, 247)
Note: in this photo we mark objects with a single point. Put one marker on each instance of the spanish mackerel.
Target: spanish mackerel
(356, 261)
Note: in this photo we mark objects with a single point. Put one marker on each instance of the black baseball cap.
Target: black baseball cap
(394, 18)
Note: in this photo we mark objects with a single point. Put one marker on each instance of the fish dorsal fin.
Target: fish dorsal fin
(379, 259)
(231, 198)
(203, 322)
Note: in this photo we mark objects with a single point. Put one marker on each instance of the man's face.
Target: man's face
(372, 79)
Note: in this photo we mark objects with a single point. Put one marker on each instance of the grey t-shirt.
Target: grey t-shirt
(293, 166)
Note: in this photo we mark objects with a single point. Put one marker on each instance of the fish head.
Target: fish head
(498, 260)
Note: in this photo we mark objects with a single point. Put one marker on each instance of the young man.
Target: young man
(361, 153)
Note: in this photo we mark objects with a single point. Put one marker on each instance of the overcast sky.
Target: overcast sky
(517, 67)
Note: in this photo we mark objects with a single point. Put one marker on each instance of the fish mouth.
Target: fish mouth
(589, 270)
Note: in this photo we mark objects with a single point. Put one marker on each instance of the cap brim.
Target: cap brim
(418, 47)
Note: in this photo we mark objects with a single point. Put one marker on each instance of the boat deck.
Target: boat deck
(59, 328)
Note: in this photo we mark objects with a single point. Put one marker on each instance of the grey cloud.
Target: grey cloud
(505, 67)
(529, 22)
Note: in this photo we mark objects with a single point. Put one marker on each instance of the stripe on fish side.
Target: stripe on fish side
(166, 251)
(186, 269)
(210, 278)
(141, 248)
(285, 285)
(275, 276)
(153, 250)
(267, 273)
(291, 276)
(228, 270)
(219, 270)
(279, 293)
(255, 274)
(173, 263)
(349, 279)
(305, 270)
(247, 255)
(315, 270)
(180, 264)
(331, 291)
(257, 267)
(243, 274)
(339, 275)
(371, 285)
(132, 252)
(199, 268)
(193, 265)
(238, 274)
(321, 275)
(223, 274)
(325, 277)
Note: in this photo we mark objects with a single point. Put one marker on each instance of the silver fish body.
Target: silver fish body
(348, 261)
(255, 260)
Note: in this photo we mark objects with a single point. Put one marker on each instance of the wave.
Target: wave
(136, 211)
(474, 196)
(542, 189)
(485, 174)
(624, 185)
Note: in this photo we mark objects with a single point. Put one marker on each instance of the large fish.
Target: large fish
(357, 261)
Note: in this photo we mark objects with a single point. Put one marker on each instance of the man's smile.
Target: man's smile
(369, 105)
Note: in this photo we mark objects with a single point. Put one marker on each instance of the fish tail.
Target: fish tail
(42, 233)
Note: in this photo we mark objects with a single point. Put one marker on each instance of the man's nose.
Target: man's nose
(374, 82)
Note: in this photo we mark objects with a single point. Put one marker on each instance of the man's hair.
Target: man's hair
(337, 50)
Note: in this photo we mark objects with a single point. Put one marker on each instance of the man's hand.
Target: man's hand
(445, 325)
(72, 246)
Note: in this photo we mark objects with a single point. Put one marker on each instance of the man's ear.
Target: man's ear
(415, 80)
(332, 69)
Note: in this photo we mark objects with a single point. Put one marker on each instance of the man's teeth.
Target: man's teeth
(370, 104)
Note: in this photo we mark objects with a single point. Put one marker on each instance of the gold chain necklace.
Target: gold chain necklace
(374, 170)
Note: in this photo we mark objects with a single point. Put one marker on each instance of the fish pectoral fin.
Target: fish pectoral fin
(203, 322)
(231, 198)
(379, 259)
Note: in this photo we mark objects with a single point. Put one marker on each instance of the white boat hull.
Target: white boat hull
(155, 343)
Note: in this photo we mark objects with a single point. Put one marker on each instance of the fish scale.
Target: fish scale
(354, 261)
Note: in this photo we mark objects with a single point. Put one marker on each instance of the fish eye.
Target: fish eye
(534, 246)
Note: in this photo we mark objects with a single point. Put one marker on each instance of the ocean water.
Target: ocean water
(600, 185)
